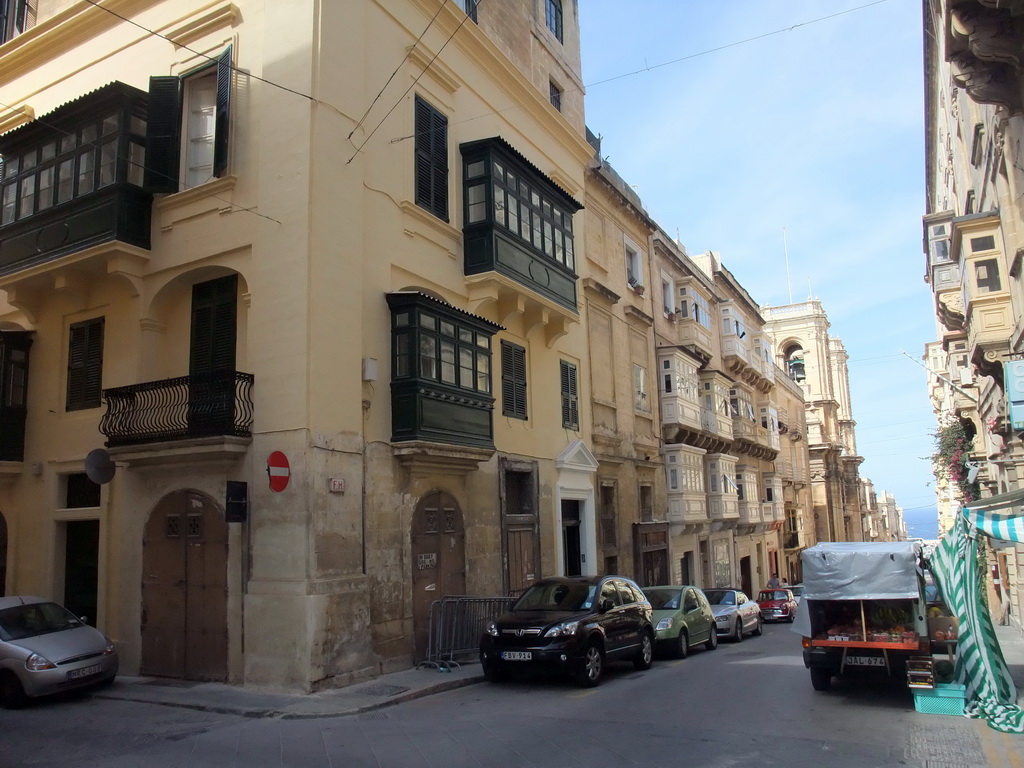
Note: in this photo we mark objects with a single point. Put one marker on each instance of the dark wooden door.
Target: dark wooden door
(184, 589)
(3, 555)
(572, 552)
(438, 560)
(81, 567)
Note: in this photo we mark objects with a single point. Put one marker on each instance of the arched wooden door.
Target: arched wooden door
(184, 589)
(438, 560)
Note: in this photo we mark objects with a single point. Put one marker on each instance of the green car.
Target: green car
(682, 619)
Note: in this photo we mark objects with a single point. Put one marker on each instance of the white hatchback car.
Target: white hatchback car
(44, 649)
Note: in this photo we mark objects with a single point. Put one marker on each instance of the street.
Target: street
(743, 704)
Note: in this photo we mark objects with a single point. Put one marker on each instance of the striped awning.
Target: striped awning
(959, 567)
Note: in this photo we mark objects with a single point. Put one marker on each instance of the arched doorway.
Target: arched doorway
(184, 589)
(438, 560)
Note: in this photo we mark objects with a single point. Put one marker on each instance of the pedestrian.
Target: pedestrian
(773, 582)
(785, 581)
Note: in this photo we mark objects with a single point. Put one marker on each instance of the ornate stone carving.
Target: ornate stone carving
(988, 34)
(986, 83)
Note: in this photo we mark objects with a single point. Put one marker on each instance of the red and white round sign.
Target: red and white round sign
(279, 471)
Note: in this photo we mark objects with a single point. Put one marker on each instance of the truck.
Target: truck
(864, 611)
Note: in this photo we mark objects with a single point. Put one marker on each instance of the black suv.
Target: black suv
(573, 624)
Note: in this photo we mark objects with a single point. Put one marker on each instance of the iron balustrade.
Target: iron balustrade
(213, 404)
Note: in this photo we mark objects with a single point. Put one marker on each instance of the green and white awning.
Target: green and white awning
(980, 666)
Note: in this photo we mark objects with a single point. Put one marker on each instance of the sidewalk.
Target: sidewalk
(383, 691)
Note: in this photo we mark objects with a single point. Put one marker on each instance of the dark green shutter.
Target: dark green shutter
(570, 396)
(214, 326)
(431, 159)
(513, 380)
(220, 139)
(85, 365)
(163, 134)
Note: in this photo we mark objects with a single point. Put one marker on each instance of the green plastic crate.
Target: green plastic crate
(943, 699)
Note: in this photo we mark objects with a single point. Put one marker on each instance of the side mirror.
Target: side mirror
(606, 605)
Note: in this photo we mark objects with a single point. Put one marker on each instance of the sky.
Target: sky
(790, 130)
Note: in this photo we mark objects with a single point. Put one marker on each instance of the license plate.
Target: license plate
(865, 661)
(74, 674)
(516, 655)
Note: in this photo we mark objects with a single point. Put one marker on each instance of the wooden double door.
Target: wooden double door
(438, 560)
(184, 589)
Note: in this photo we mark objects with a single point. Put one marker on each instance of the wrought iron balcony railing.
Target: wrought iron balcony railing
(214, 404)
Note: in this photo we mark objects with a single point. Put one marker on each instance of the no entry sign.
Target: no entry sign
(278, 471)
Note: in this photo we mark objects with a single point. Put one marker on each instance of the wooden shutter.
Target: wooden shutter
(431, 159)
(163, 134)
(220, 139)
(214, 326)
(570, 396)
(513, 380)
(85, 365)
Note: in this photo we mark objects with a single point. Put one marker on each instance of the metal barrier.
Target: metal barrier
(456, 624)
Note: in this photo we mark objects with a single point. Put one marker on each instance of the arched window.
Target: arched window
(795, 363)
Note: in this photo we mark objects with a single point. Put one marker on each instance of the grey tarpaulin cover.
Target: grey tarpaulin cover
(859, 571)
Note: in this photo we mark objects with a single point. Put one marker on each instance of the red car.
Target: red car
(776, 604)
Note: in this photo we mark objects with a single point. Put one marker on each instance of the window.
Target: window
(85, 364)
(468, 7)
(522, 208)
(640, 400)
(693, 306)
(80, 491)
(428, 345)
(72, 162)
(431, 159)
(978, 145)
(570, 396)
(646, 503)
(14, 18)
(634, 269)
(608, 537)
(986, 274)
(986, 243)
(938, 241)
(555, 95)
(668, 295)
(513, 380)
(188, 127)
(553, 16)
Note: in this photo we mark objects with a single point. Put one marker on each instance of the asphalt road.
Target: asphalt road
(743, 704)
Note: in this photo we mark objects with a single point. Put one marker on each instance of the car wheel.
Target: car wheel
(737, 634)
(712, 641)
(821, 679)
(758, 628)
(492, 673)
(12, 694)
(589, 673)
(683, 644)
(645, 656)
(792, 616)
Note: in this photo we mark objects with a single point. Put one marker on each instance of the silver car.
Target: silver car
(45, 649)
(736, 614)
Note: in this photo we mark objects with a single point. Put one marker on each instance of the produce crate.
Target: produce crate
(943, 699)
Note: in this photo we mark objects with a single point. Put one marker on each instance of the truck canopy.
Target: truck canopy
(862, 571)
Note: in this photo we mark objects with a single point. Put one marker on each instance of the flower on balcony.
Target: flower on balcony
(953, 444)
(671, 316)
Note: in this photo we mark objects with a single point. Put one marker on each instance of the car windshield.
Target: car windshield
(777, 594)
(797, 590)
(557, 596)
(662, 599)
(36, 619)
(720, 596)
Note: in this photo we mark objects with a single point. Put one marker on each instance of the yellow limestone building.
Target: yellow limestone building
(326, 247)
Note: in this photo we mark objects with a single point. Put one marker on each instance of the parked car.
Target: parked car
(776, 604)
(798, 593)
(571, 624)
(736, 614)
(45, 649)
(682, 619)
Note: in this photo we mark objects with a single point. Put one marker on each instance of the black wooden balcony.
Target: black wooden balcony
(215, 404)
